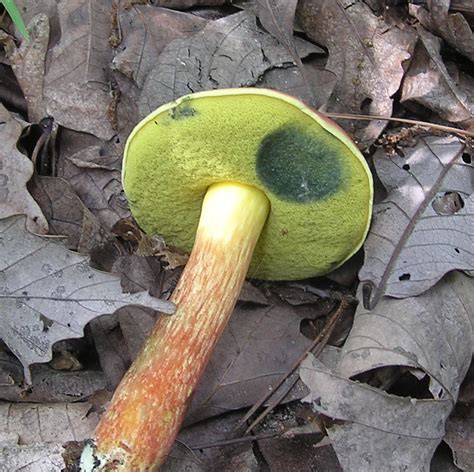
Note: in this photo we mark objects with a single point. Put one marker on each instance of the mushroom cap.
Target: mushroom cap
(317, 181)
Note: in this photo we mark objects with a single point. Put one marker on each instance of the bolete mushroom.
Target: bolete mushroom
(253, 181)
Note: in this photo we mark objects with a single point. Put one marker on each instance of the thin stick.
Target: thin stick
(323, 336)
(448, 129)
(230, 442)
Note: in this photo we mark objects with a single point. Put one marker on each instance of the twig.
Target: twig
(448, 129)
(325, 441)
(230, 442)
(325, 293)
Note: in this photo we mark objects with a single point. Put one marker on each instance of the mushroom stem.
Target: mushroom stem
(147, 409)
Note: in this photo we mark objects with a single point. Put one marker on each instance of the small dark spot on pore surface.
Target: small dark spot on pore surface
(406, 167)
(457, 250)
(298, 166)
(467, 158)
(182, 111)
(404, 277)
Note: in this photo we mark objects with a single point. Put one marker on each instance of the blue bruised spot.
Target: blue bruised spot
(298, 166)
(181, 111)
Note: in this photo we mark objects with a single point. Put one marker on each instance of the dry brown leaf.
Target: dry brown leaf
(429, 83)
(138, 273)
(28, 65)
(437, 16)
(252, 294)
(366, 55)
(45, 7)
(278, 17)
(289, 80)
(258, 346)
(230, 52)
(48, 385)
(94, 174)
(173, 259)
(136, 324)
(15, 171)
(233, 458)
(302, 446)
(77, 90)
(67, 215)
(145, 31)
(108, 341)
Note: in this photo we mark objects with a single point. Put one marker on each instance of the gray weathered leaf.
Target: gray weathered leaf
(32, 435)
(374, 422)
(432, 332)
(460, 437)
(278, 17)
(77, 91)
(366, 55)
(185, 4)
(229, 52)
(53, 423)
(429, 83)
(32, 458)
(431, 335)
(15, 171)
(146, 30)
(437, 16)
(48, 293)
(48, 385)
(289, 80)
(424, 228)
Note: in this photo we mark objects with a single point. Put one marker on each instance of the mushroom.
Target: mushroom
(253, 181)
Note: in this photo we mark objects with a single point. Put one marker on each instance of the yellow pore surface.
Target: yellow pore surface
(317, 182)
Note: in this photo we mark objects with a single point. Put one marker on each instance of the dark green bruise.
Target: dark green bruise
(298, 166)
(181, 111)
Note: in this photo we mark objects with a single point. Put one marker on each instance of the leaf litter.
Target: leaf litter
(15, 171)
(49, 293)
(106, 65)
(236, 54)
(429, 204)
(431, 336)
